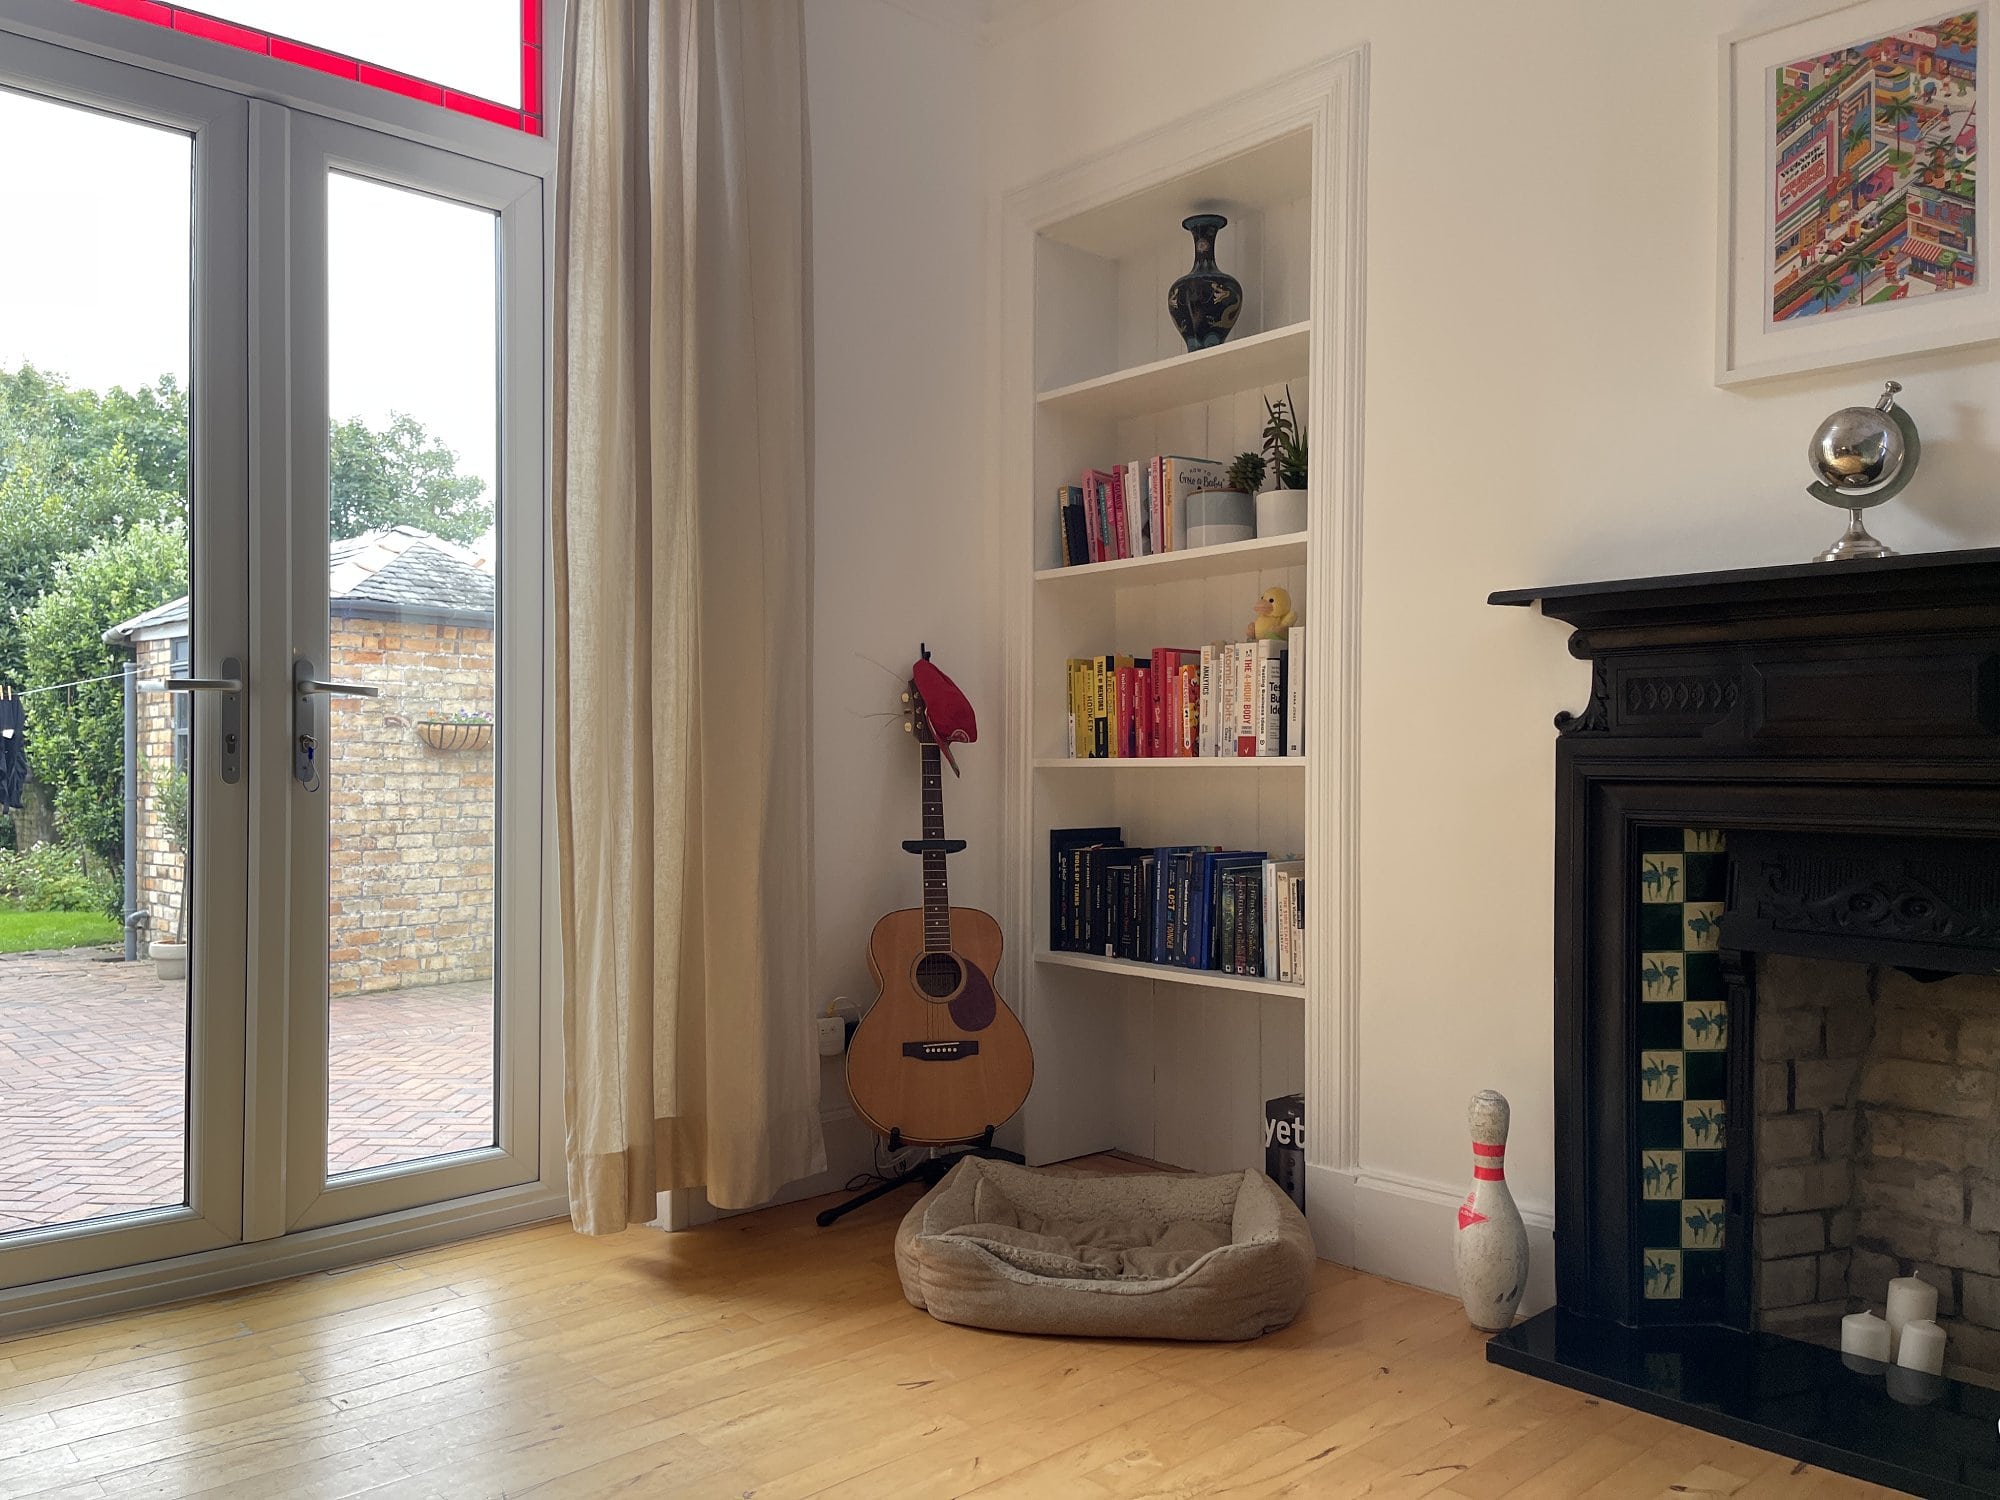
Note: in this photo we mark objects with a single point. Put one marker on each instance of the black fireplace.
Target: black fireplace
(1777, 930)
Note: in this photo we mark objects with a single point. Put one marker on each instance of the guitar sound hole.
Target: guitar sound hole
(937, 974)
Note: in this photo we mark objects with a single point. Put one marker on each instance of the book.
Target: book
(1071, 537)
(1268, 711)
(1295, 692)
(1063, 844)
(1279, 939)
(1246, 698)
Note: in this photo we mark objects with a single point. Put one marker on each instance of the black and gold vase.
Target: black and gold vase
(1204, 304)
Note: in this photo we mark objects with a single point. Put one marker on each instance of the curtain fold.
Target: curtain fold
(683, 575)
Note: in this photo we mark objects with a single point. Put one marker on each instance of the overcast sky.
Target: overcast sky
(94, 271)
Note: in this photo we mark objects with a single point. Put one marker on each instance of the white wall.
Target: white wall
(1540, 294)
(901, 550)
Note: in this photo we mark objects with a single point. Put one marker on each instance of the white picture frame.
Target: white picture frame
(1866, 318)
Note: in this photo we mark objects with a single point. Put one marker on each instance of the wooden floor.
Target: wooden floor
(763, 1357)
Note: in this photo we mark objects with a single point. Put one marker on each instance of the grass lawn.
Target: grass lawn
(33, 931)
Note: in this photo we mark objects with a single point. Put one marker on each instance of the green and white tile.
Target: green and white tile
(1661, 878)
(1682, 877)
(1703, 1124)
(1662, 1075)
(1663, 976)
(1703, 920)
(1660, 1175)
(1701, 1224)
(1662, 1274)
(1705, 1026)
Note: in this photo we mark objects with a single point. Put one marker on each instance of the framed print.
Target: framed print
(1853, 222)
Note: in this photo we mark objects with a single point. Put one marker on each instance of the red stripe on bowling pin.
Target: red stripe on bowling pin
(1494, 1168)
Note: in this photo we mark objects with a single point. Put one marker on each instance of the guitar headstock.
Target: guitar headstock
(916, 722)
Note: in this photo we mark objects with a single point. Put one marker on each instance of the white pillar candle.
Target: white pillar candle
(1921, 1347)
(1910, 1301)
(1863, 1336)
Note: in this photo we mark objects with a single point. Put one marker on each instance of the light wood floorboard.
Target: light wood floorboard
(763, 1357)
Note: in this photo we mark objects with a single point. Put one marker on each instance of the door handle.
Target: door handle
(230, 686)
(305, 686)
(305, 736)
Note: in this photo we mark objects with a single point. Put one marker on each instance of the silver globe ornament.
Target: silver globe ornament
(1864, 456)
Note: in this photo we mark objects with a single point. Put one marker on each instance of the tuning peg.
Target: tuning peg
(906, 697)
(908, 727)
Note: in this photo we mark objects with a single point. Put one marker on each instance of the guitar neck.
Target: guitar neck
(937, 890)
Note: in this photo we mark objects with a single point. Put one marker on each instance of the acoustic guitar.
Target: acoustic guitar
(939, 1059)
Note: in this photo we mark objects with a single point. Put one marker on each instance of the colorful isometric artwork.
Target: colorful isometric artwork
(1876, 161)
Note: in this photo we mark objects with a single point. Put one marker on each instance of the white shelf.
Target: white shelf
(1260, 359)
(1171, 762)
(1211, 979)
(1268, 175)
(1261, 552)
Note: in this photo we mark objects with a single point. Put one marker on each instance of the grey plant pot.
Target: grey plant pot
(170, 960)
(1281, 512)
(1216, 517)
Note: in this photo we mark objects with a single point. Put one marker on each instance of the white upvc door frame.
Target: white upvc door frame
(217, 892)
(291, 532)
(262, 1208)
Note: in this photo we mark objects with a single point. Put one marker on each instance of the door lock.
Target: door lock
(305, 717)
(230, 686)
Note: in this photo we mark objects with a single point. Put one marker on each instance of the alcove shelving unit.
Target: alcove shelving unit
(1177, 1064)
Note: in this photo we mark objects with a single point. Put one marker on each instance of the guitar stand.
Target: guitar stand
(930, 1172)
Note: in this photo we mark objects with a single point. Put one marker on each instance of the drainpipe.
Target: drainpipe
(131, 809)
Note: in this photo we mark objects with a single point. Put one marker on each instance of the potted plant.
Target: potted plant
(458, 730)
(1226, 513)
(1283, 509)
(171, 805)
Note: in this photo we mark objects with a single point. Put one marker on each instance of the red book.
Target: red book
(1121, 535)
(1144, 728)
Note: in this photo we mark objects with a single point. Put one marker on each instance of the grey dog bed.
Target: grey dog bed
(1158, 1256)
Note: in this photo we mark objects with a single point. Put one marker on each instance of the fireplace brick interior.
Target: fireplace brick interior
(1876, 1151)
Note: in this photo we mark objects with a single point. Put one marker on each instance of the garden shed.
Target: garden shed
(409, 774)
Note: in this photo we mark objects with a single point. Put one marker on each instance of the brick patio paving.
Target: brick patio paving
(93, 1083)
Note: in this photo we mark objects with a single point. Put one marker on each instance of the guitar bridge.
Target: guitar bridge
(940, 1051)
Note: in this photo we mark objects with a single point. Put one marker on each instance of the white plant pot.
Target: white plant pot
(1281, 512)
(1216, 517)
(170, 960)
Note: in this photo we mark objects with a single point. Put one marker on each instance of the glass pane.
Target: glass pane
(473, 46)
(94, 338)
(413, 376)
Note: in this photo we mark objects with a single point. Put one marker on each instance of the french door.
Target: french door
(328, 672)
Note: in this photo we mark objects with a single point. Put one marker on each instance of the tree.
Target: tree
(54, 503)
(76, 737)
(401, 476)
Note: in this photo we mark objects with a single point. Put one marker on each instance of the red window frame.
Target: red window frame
(527, 118)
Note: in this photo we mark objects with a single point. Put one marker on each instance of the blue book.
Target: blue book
(1201, 921)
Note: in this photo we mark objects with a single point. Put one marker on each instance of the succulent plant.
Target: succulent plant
(1285, 442)
(1246, 473)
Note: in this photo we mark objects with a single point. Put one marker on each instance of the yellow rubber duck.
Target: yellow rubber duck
(1274, 616)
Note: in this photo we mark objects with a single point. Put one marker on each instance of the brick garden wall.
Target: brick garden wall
(1877, 1153)
(161, 864)
(411, 898)
(412, 875)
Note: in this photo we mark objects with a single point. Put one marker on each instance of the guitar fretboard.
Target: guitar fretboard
(937, 893)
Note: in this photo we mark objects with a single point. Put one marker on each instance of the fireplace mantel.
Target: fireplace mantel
(1838, 721)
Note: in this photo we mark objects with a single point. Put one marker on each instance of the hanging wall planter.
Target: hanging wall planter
(456, 734)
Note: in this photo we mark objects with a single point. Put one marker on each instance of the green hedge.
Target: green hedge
(57, 877)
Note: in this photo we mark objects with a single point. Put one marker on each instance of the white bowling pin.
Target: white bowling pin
(1492, 1247)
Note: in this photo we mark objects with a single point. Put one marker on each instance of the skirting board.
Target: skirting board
(1402, 1228)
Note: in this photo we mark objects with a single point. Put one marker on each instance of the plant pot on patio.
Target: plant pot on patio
(170, 960)
(456, 734)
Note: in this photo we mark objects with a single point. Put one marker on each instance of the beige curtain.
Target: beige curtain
(683, 571)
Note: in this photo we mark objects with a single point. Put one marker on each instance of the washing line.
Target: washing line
(57, 687)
